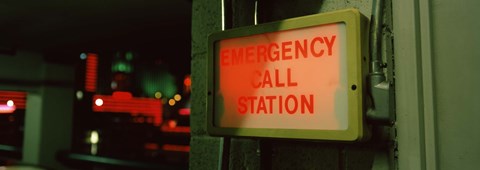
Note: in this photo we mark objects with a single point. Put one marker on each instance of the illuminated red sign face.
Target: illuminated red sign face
(299, 78)
(293, 79)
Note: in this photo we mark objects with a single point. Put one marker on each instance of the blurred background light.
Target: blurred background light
(171, 102)
(79, 95)
(158, 95)
(10, 103)
(83, 56)
(99, 102)
(94, 138)
(177, 97)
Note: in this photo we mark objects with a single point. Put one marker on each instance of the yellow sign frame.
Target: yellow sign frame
(357, 52)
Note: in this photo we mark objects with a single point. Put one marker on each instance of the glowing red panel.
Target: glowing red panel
(176, 148)
(122, 95)
(134, 106)
(91, 72)
(286, 80)
(18, 99)
(184, 111)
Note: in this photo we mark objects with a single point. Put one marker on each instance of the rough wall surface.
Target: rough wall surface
(265, 153)
(206, 19)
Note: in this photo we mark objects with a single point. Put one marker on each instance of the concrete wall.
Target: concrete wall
(268, 153)
(206, 19)
(436, 61)
(455, 38)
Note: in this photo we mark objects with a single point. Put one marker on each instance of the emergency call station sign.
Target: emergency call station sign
(298, 78)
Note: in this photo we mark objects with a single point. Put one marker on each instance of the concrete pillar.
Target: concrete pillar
(437, 79)
(48, 118)
(206, 19)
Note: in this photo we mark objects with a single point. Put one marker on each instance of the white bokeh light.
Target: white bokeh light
(99, 102)
(10, 103)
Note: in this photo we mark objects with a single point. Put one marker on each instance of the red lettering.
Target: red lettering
(252, 101)
(253, 79)
(266, 104)
(237, 56)
(276, 55)
(299, 48)
(261, 105)
(242, 106)
(312, 47)
(249, 54)
(277, 80)
(330, 43)
(289, 79)
(224, 57)
(286, 49)
(287, 104)
(307, 104)
(261, 52)
(267, 80)
(270, 103)
(280, 104)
